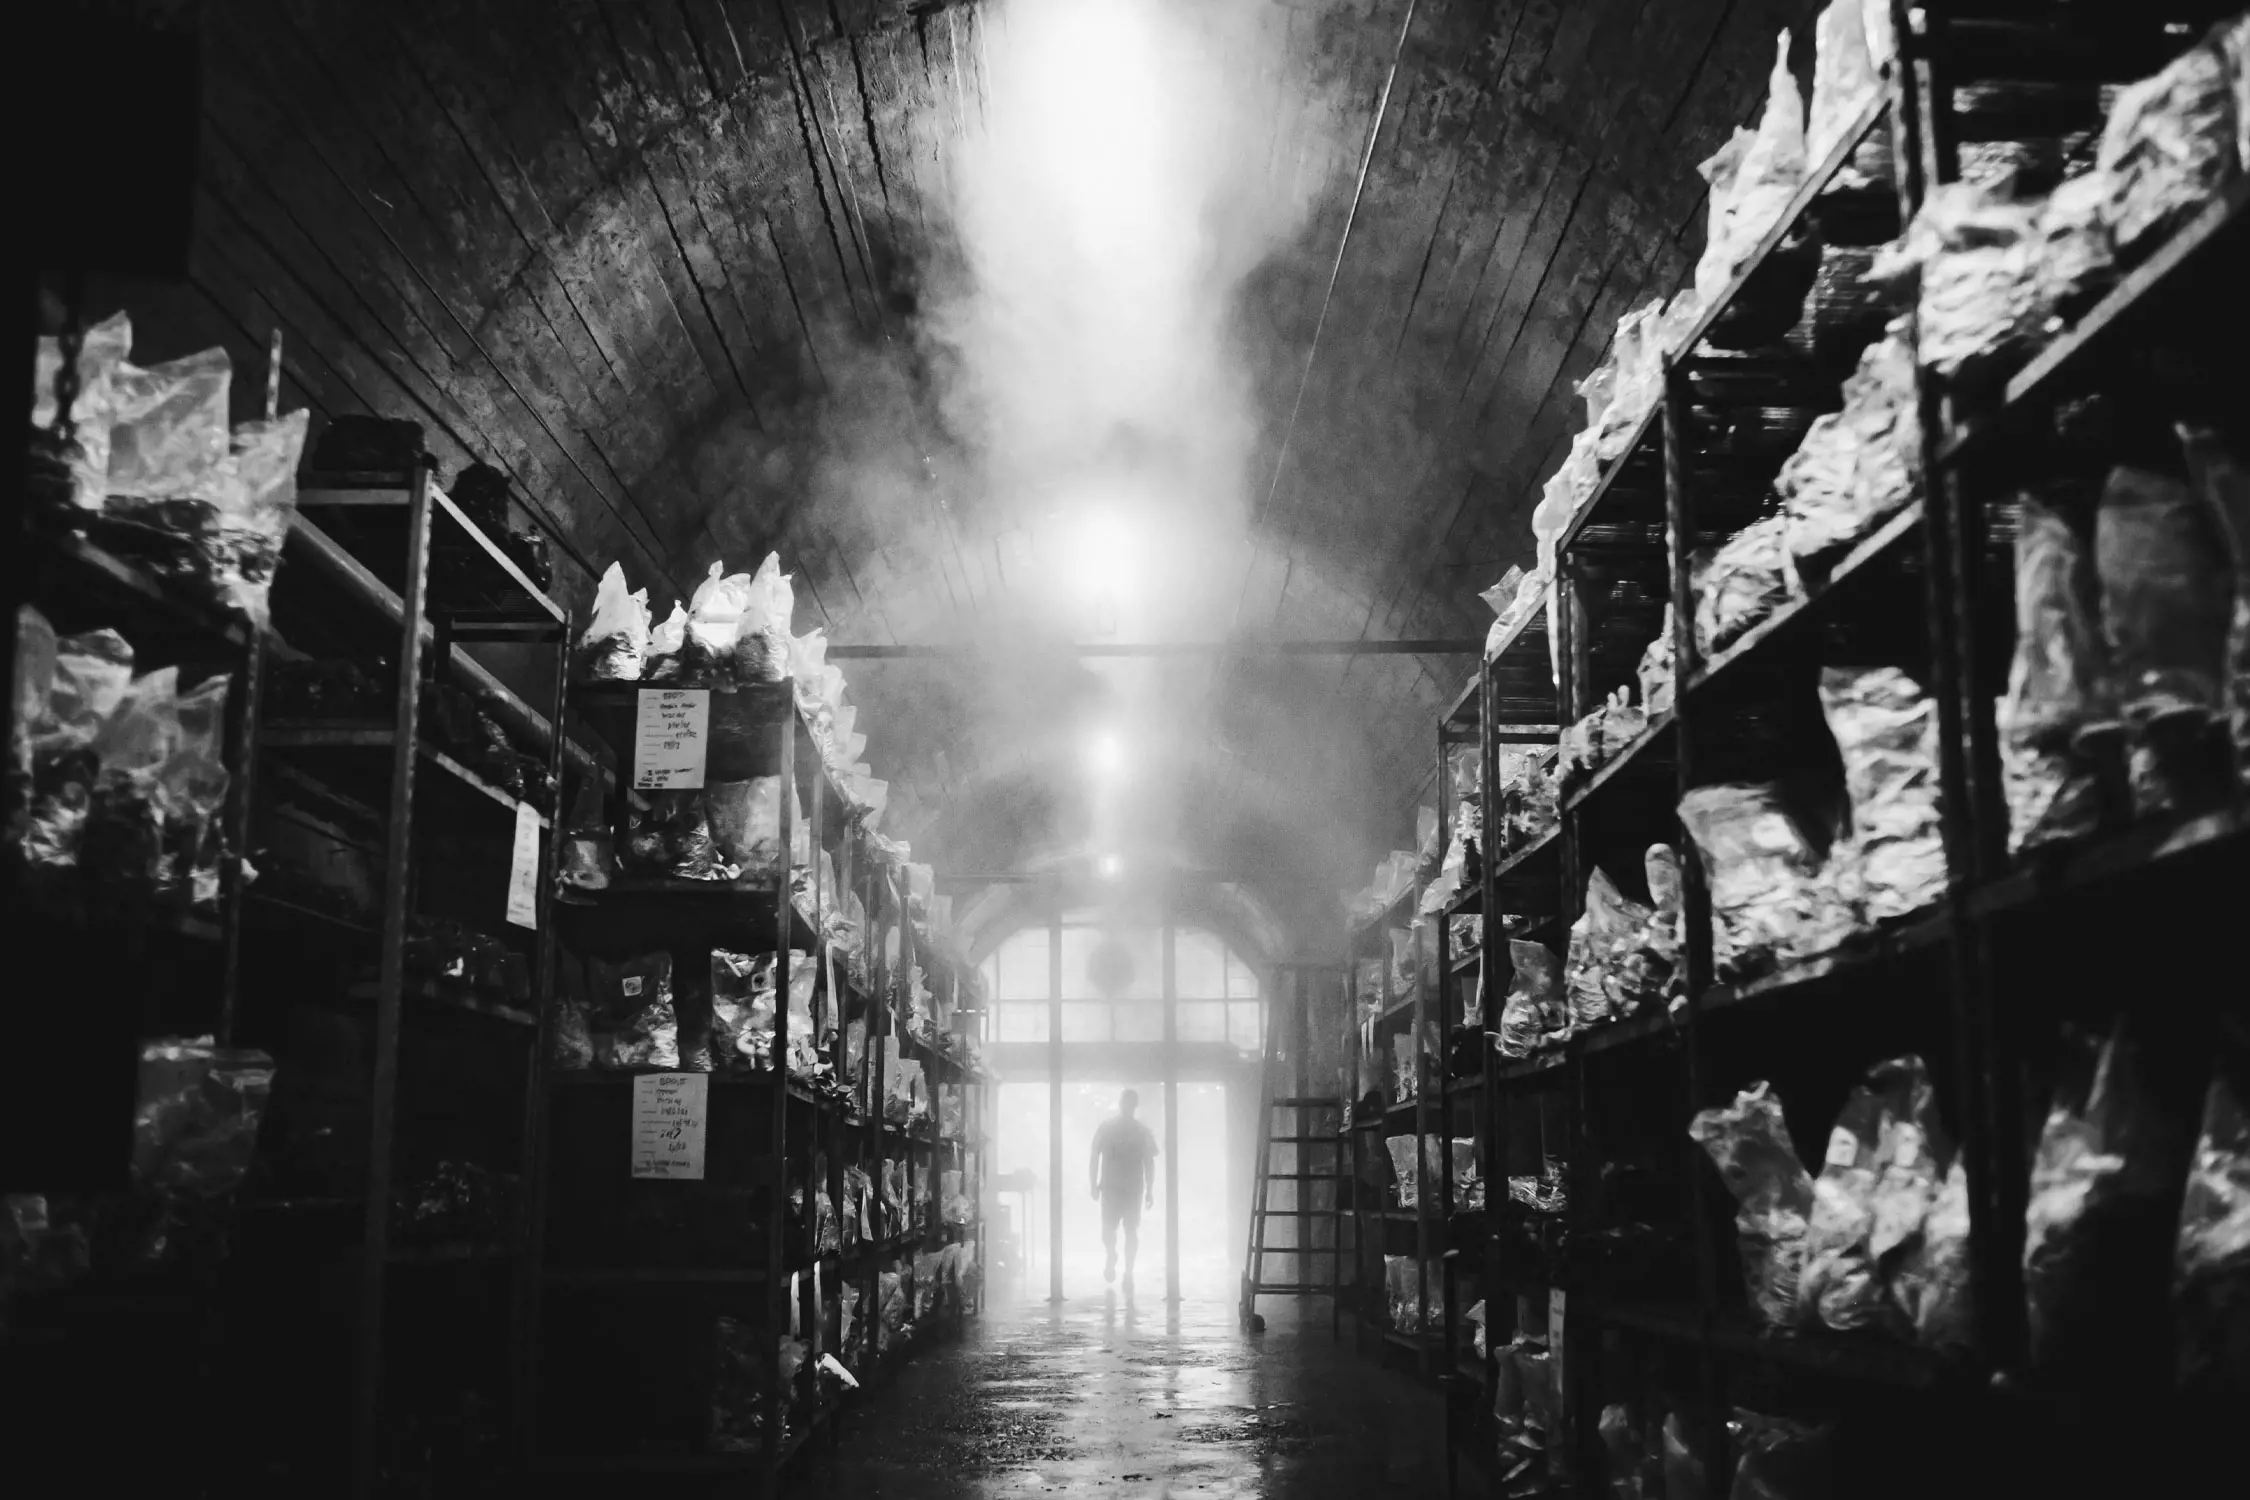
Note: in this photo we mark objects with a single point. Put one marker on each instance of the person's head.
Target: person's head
(1127, 1102)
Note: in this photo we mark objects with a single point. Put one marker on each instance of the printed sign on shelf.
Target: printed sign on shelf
(671, 738)
(523, 869)
(669, 1113)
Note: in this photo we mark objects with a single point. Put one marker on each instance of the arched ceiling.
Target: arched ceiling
(710, 277)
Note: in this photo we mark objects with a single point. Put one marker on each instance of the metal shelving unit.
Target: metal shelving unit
(1978, 981)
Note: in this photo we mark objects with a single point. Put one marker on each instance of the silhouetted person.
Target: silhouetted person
(1124, 1181)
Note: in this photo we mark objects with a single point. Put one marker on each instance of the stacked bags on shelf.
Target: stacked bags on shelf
(1879, 1240)
(116, 784)
(156, 472)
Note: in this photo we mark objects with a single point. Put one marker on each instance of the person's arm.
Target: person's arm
(1094, 1161)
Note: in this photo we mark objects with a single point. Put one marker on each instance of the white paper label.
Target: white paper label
(630, 984)
(669, 1110)
(523, 869)
(671, 736)
(1843, 1148)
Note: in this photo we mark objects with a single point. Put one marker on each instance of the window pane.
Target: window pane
(1022, 966)
(1023, 1023)
(1242, 1025)
(1200, 964)
(1085, 1023)
(1203, 1021)
(1242, 980)
(1138, 1021)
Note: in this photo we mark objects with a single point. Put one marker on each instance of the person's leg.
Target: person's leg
(1132, 1219)
(1110, 1216)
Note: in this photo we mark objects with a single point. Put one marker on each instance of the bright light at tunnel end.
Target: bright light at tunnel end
(1111, 867)
(1107, 752)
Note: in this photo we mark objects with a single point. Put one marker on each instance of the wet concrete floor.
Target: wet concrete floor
(1112, 1397)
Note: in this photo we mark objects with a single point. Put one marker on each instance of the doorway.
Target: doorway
(1210, 1258)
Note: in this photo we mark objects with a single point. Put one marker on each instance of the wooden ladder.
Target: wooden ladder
(1314, 1125)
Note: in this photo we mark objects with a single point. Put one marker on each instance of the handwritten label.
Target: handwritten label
(671, 737)
(669, 1111)
(523, 869)
(1843, 1149)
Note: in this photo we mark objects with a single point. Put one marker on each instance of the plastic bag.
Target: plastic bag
(1975, 254)
(1844, 75)
(1772, 169)
(1780, 1459)
(2166, 594)
(2075, 257)
(1749, 1142)
(669, 833)
(2211, 1267)
(1534, 1008)
(1406, 968)
(1931, 1284)
(1877, 1181)
(632, 1015)
(1647, 960)
(194, 779)
(101, 352)
(665, 640)
(195, 1130)
(2057, 684)
(1405, 1169)
(615, 645)
(1855, 468)
(1771, 899)
(745, 821)
(2103, 1206)
(762, 642)
(1609, 922)
(1749, 578)
(168, 428)
(714, 625)
(1683, 1466)
(1715, 268)
(1886, 730)
(1656, 669)
(2170, 144)
(2223, 481)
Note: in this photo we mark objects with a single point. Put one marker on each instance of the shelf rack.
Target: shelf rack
(779, 1146)
(1975, 982)
(389, 521)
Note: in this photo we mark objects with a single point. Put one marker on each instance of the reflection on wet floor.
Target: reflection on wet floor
(1114, 1397)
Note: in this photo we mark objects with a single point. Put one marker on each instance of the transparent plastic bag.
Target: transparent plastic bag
(2103, 1205)
(194, 778)
(1534, 1008)
(195, 1131)
(632, 1013)
(762, 640)
(101, 352)
(1771, 898)
(615, 645)
(1856, 468)
(1772, 168)
(1931, 1284)
(1597, 940)
(1749, 579)
(1749, 1142)
(257, 502)
(1844, 75)
(2166, 595)
(1683, 1466)
(2169, 146)
(2075, 255)
(1406, 1169)
(1886, 730)
(1974, 253)
(1649, 959)
(1878, 1179)
(745, 820)
(168, 431)
(2058, 685)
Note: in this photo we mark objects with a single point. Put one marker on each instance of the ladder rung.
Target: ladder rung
(1304, 1140)
(1293, 1289)
(1308, 1177)
(1295, 1213)
(1305, 1103)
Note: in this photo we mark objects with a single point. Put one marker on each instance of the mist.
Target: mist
(1090, 451)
